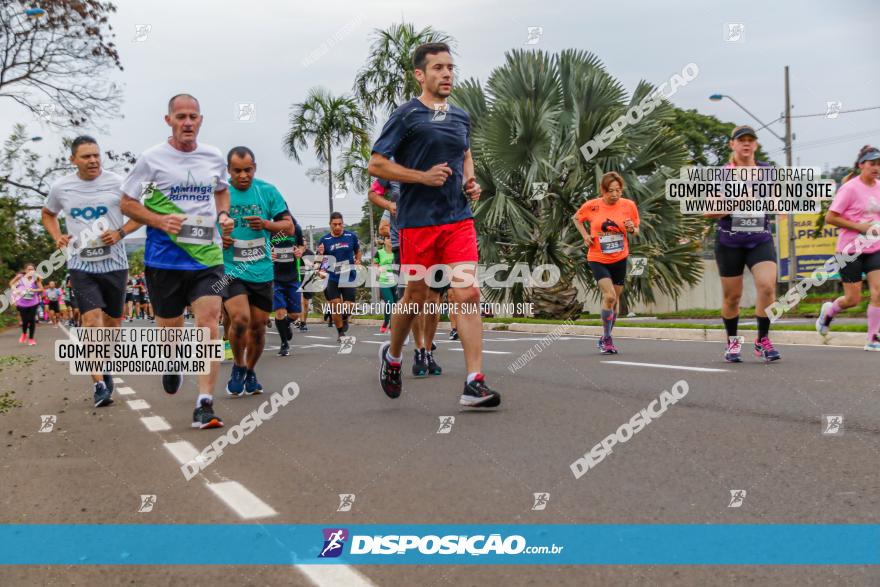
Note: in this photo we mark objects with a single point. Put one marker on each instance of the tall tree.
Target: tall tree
(54, 59)
(326, 122)
(387, 79)
(706, 138)
(528, 123)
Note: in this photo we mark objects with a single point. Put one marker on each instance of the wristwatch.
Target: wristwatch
(223, 212)
(122, 233)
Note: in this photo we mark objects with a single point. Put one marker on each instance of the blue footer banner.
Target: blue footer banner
(280, 544)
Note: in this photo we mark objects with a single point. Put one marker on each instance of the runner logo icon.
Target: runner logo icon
(541, 500)
(147, 503)
(446, 423)
(47, 423)
(737, 497)
(346, 500)
(334, 541)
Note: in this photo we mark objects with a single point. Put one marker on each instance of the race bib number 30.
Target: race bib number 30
(197, 230)
(248, 250)
(747, 223)
(611, 243)
(284, 255)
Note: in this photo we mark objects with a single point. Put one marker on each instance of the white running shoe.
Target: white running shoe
(874, 345)
(821, 326)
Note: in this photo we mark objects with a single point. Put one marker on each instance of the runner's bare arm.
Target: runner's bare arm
(471, 187)
(112, 236)
(835, 219)
(50, 222)
(380, 201)
(385, 168)
(139, 213)
(384, 227)
(221, 201)
(580, 227)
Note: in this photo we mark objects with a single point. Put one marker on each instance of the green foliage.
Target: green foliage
(706, 138)
(528, 123)
(387, 79)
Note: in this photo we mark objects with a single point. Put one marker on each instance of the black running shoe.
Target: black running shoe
(204, 416)
(433, 367)
(477, 394)
(433, 347)
(420, 364)
(344, 324)
(284, 350)
(102, 395)
(108, 381)
(453, 334)
(171, 382)
(389, 373)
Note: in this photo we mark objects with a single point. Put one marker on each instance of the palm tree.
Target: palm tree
(327, 122)
(386, 81)
(528, 123)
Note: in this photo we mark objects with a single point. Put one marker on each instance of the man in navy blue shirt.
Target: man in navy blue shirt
(429, 142)
(343, 246)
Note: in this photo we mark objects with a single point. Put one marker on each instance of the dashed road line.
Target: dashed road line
(241, 500)
(661, 366)
(138, 404)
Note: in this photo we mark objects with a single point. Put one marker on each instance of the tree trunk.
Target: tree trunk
(557, 303)
(330, 179)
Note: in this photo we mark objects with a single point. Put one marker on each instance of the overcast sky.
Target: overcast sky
(226, 53)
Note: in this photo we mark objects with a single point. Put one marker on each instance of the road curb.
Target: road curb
(837, 339)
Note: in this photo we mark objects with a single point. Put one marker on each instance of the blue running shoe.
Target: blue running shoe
(251, 385)
(235, 385)
(765, 349)
(102, 395)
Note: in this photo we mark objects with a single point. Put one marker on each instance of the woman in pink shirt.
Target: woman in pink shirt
(26, 292)
(855, 209)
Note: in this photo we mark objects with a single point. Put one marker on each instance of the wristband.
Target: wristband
(222, 212)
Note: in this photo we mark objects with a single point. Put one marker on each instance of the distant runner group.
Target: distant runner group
(222, 245)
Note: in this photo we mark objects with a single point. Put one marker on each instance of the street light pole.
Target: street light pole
(792, 257)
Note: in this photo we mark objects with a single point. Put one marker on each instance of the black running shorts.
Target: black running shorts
(174, 289)
(864, 263)
(732, 261)
(259, 294)
(616, 271)
(105, 291)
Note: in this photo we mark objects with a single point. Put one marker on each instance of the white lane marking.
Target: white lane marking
(489, 352)
(241, 500)
(659, 366)
(326, 346)
(156, 423)
(334, 575)
(312, 336)
(182, 450)
(138, 404)
(525, 338)
(117, 380)
(124, 390)
(373, 341)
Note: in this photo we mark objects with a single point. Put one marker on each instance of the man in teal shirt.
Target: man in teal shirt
(259, 211)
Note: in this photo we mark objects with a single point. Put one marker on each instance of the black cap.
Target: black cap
(742, 131)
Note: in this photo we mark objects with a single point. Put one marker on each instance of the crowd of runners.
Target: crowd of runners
(222, 246)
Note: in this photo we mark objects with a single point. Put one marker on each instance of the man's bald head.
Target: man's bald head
(182, 97)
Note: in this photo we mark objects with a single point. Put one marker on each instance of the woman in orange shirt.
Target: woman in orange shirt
(611, 218)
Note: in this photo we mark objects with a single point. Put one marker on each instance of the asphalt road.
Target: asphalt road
(751, 427)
